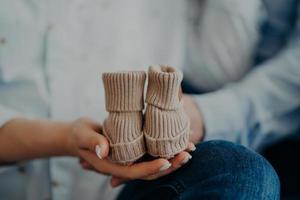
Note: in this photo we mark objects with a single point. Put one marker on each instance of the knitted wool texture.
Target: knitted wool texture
(124, 100)
(166, 125)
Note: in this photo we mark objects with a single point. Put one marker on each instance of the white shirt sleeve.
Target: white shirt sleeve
(7, 114)
(261, 108)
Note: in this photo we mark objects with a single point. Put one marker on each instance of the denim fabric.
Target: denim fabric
(218, 170)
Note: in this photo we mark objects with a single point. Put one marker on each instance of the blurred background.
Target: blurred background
(239, 55)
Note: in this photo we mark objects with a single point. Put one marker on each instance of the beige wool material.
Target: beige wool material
(124, 91)
(164, 87)
(166, 126)
(124, 100)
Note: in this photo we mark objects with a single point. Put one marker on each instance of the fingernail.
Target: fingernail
(165, 166)
(193, 148)
(98, 151)
(186, 159)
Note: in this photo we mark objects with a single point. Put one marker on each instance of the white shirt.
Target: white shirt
(52, 54)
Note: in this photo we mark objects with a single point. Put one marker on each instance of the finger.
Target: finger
(139, 170)
(95, 142)
(87, 166)
(135, 171)
(81, 160)
(191, 147)
(178, 161)
(175, 166)
(116, 181)
(93, 160)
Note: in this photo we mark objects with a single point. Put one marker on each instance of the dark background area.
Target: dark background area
(285, 158)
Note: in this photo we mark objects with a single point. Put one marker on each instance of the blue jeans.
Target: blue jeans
(218, 170)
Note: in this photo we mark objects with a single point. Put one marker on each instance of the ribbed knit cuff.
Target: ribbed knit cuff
(124, 91)
(128, 153)
(164, 87)
(124, 133)
(166, 131)
(167, 148)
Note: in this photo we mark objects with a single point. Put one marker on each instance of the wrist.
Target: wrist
(62, 132)
(67, 143)
(196, 120)
(24, 139)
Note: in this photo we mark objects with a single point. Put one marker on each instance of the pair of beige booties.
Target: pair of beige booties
(164, 130)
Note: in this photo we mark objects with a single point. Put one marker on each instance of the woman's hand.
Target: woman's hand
(148, 170)
(87, 143)
(85, 136)
(175, 163)
(24, 139)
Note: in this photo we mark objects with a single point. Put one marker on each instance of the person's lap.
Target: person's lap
(218, 170)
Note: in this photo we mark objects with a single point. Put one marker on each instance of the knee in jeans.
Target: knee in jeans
(217, 156)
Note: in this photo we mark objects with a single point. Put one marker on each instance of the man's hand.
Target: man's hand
(195, 117)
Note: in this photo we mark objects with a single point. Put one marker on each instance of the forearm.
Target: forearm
(262, 107)
(23, 139)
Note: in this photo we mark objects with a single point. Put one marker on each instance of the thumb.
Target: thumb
(95, 142)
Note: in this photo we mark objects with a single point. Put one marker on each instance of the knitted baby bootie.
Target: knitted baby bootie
(166, 126)
(124, 100)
